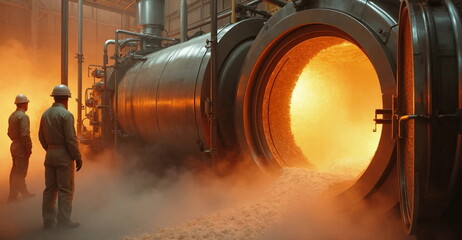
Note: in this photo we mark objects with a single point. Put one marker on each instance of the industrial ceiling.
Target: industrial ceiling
(120, 6)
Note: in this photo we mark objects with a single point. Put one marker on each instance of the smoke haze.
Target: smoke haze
(112, 203)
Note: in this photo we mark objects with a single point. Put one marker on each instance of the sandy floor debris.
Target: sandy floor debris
(251, 220)
(191, 207)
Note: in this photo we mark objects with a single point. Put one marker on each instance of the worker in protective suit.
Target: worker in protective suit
(57, 136)
(21, 149)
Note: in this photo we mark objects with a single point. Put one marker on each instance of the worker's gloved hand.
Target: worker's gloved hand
(78, 165)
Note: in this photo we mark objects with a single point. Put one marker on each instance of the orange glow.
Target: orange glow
(33, 73)
(332, 108)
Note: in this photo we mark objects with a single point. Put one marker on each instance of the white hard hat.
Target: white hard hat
(21, 98)
(61, 91)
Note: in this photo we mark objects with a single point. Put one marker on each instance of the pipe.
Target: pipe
(213, 76)
(116, 88)
(278, 3)
(147, 36)
(129, 5)
(64, 42)
(104, 112)
(150, 16)
(150, 21)
(406, 118)
(126, 41)
(233, 11)
(79, 71)
(184, 20)
(106, 59)
(251, 3)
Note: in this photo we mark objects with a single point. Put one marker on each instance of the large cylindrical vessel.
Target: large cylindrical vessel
(164, 99)
(315, 86)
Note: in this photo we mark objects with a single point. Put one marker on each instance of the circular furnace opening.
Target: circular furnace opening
(318, 107)
(343, 118)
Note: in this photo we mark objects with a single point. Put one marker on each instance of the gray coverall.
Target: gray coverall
(21, 149)
(58, 138)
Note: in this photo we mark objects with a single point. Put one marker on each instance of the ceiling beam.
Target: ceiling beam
(129, 11)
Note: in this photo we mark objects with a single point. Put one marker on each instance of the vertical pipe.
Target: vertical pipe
(233, 11)
(64, 41)
(116, 90)
(79, 71)
(106, 59)
(184, 20)
(105, 100)
(213, 75)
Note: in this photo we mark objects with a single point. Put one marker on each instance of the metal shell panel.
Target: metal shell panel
(162, 99)
(150, 12)
(427, 109)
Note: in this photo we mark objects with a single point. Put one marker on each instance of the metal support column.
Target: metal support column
(184, 21)
(79, 70)
(213, 76)
(64, 41)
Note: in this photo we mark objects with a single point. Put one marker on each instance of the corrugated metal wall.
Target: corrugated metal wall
(198, 10)
(37, 24)
(15, 20)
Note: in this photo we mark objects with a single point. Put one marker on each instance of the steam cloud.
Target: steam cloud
(113, 204)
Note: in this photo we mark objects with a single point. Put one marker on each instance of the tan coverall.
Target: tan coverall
(21, 149)
(58, 138)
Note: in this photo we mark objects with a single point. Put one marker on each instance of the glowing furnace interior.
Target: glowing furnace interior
(319, 105)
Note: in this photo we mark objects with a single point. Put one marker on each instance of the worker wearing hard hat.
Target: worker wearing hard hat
(21, 149)
(57, 136)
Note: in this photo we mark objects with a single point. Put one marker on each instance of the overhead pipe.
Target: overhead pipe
(79, 71)
(106, 58)
(184, 20)
(251, 3)
(64, 41)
